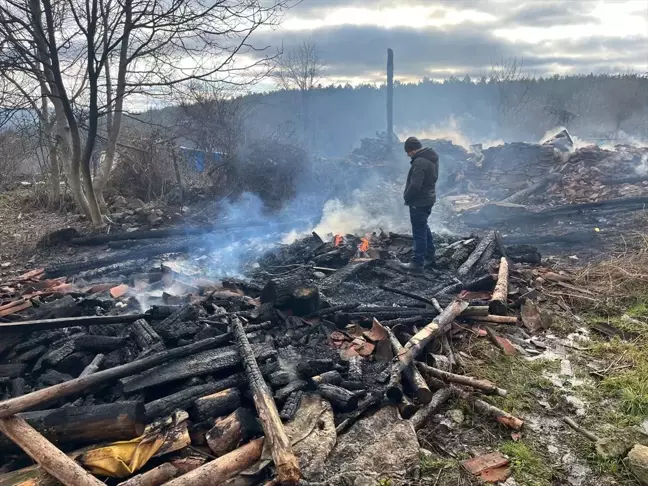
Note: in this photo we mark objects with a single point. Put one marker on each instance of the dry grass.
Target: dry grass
(618, 281)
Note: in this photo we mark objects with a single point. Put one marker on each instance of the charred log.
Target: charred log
(341, 399)
(85, 425)
(185, 397)
(291, 406)
(204, 363)
(468, 265)
(53, 393)
(216, 405)
(330, 378)
(292, 291)
(44, 324)
(229, 432)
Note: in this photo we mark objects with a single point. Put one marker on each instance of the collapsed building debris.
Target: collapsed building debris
(196, 380)
(233, 347)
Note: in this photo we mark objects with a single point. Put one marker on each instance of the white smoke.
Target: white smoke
(448, 130)
(642, 168)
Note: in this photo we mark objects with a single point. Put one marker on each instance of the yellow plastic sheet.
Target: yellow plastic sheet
(122, 459)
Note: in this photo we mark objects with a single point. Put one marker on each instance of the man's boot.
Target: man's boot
(430, 260)
(411, 267)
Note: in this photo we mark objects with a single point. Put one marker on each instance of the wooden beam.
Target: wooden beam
(46, 454)
(61, 322)
(286, 463)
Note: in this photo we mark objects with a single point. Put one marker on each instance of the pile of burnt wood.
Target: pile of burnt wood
(198, 393)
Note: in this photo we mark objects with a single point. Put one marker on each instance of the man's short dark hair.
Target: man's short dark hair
(412, 143)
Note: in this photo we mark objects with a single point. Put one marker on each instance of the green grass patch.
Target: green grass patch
(521, 378)
(529, 467)
(432, 465)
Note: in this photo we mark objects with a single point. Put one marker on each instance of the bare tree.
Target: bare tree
(301, 69)
(89, 57)
(513, 88)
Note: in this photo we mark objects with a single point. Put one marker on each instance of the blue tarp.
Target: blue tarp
(197, 157)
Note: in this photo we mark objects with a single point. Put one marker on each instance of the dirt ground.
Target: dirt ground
(598, 381)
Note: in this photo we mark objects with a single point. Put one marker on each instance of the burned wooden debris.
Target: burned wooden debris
(226, 368)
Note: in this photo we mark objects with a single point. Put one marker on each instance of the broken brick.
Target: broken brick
(118, 291)
(479, 464)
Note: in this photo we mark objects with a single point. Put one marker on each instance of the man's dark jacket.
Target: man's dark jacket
(420, 189)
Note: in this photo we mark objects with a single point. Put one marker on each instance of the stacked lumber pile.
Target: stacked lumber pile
(208, 388)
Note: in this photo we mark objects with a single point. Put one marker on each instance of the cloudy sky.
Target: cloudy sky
(440, 38)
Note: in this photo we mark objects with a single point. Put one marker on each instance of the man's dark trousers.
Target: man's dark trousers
(423, 243)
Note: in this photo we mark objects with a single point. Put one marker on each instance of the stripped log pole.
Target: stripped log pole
(483, 385)
(220, 470)
(411, 374)
(155, 477)
(511, 320)
(94, 366)
(414, 346)
(50, 458)
(499, 302)
(468, 265)
(284, 459)
(421, 417)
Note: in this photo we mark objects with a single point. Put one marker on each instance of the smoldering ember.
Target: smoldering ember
(270, 349)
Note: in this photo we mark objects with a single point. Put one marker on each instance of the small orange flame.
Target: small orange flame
(364, 246)
(338, 240)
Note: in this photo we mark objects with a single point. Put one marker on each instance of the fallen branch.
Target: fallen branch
(501, 416)
(421, 417)
(154, 477)
(406, 356)
(284, 459)
(447, 377)
(585, 433)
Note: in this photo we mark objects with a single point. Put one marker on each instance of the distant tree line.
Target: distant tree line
(502, 104)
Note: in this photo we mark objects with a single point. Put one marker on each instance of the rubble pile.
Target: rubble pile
(594, 174)
(160, 372)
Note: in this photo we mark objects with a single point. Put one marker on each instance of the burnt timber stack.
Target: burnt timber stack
(229, 363)
(241, 350)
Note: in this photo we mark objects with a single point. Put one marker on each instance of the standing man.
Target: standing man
(420, 196)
